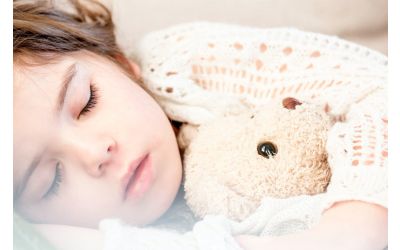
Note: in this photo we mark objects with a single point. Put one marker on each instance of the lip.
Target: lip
(138, 177)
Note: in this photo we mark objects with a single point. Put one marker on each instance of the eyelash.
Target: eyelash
(55, 185)
(91, 102)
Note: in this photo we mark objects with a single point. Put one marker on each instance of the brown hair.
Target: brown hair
(42, 31)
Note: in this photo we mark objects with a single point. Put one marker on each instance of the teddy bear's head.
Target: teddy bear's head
(277, 150)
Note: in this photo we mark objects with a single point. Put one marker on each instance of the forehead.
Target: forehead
(35, 91)
(37, 81)
(36, 86)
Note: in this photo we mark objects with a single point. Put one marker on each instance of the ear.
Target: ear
(135, 69)
(129, 65)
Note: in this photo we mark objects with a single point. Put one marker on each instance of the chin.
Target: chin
(160, 203)
(163, 204)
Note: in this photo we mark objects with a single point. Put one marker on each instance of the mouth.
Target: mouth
(138, 178)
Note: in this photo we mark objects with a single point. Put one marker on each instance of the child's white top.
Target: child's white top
(199, 70)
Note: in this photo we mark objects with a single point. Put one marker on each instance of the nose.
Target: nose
(93, 154)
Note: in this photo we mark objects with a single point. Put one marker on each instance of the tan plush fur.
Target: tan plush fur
(225, 174)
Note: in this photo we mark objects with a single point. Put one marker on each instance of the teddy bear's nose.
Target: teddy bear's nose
(267, 149)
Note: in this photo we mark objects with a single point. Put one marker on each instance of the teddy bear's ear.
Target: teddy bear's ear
(290, 103)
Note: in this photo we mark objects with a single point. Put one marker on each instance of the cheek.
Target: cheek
(85, 193)
(81, 201)
(130, 97)
(142, 109)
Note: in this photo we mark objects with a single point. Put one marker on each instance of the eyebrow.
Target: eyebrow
(67, 78)
(69, 75)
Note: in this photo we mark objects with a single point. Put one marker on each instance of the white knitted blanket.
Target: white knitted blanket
(198, 70)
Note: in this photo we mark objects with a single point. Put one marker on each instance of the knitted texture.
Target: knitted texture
(197, 71)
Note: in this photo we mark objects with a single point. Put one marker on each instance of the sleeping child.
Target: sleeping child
(94, 139)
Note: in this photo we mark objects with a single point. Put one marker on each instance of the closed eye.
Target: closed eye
(93, 98)
(55, 185)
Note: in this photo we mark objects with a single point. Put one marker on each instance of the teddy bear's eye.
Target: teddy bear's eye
(267, 149)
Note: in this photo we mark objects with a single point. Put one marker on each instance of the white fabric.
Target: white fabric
(274, 217)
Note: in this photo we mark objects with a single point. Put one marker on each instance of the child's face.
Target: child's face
(81, 128)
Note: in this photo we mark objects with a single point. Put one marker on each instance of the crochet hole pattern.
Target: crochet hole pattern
(287, 51)
(263, 47)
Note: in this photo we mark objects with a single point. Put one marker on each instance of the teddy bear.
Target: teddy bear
(276, 150)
